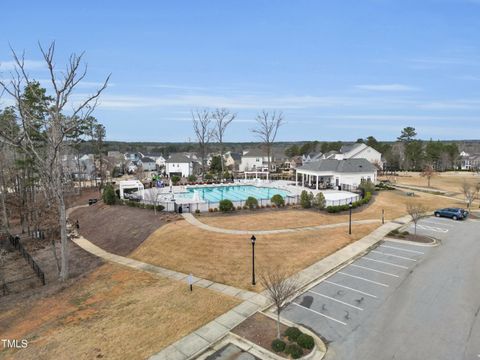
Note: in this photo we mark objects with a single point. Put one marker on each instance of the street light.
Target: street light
(253, 238)
(350, 221)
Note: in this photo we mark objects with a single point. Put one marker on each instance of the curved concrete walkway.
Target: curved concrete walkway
(194, 221)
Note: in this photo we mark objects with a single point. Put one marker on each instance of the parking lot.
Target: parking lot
(397, 286)
(338, 304)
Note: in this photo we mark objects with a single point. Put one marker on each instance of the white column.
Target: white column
(296, 178)
(303, 180)
(317, 182)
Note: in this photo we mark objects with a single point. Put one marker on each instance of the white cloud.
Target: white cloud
(386, 87)
(29, 65)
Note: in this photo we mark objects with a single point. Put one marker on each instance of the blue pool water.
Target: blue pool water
(234, 192)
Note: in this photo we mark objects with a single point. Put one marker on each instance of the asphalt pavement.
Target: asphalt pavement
(402, 301)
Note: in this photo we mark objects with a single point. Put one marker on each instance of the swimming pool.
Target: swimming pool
(234, 193)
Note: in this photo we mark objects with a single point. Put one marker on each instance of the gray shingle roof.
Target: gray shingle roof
(178, 158)
(255, 153)
(340, 166)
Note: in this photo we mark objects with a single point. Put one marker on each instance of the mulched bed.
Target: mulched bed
(262, 330)
(413, 238)
(119, 229)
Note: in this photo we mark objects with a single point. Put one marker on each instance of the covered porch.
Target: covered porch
(313, 180)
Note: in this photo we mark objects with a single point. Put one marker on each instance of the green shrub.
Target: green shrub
(215, 209)
(278, 200)
(175, 179)
(294, 351)
(251, 202)
(109, 197)
(366, 186)
(226, 205)
(197, 211)
(292, 333)
(192, 178)
(239, 208)
(306, 341)
(306, 199)
(319, 201)
(278, 345)
(208, 176)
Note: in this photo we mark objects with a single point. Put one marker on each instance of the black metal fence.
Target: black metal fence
(15, 241)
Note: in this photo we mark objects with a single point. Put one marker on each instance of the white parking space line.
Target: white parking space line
(319, 313)
(442, 223)
(398, 248)
(385, 262)
(377, 271)
(431, 228)
(349, 288)
(333, 299)
(392, 255)
(361, 278)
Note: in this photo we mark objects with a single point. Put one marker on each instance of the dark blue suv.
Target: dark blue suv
(452, 213)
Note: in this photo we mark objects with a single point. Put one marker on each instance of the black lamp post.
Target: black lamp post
(253, 238)
(350, 221)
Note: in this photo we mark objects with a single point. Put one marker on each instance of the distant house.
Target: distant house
(255, 160)
(293, 163)
(354, 151)
(469, 161)
(313, 156)
(232, 160)
(345, 174)
(178, 164)
(148, 163)
(160, 161)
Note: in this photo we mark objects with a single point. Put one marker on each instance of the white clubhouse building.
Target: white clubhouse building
(341, 174)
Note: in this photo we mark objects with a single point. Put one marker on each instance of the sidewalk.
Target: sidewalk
(173, 275)
(200, 340)
(192, 220)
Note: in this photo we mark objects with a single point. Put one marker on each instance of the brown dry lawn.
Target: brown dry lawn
(226, 258)
(393, 202)
(113, 313)
(448, 181)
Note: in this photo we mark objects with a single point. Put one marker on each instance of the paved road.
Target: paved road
(402, 301)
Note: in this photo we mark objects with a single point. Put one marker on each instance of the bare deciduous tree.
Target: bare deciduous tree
(152, 196)
(222, 118)
(201, 126)
(280, 288)
(416, 211)
(470, 192)
(428, 172)
(267, 129)
(54, 128)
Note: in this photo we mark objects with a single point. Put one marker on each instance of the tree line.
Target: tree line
(406, 153)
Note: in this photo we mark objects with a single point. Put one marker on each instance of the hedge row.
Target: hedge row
(140, 205)
(340, 208)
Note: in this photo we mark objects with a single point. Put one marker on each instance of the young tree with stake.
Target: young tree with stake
(416, 211)
(280, 288)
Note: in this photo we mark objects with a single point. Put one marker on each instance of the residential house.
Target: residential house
(344, 174)
(178, 164)
(255, 160)
(468, 161)
(148, 163)
(232, 160)
(313, 156)
(356, 151)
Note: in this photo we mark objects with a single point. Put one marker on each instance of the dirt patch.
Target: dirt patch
(262, 330)
(259, 329)
(412, 237)
(119, 229)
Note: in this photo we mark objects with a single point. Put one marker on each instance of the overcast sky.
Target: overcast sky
(339, 70)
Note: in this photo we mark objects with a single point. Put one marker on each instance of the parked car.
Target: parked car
(452, 213)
